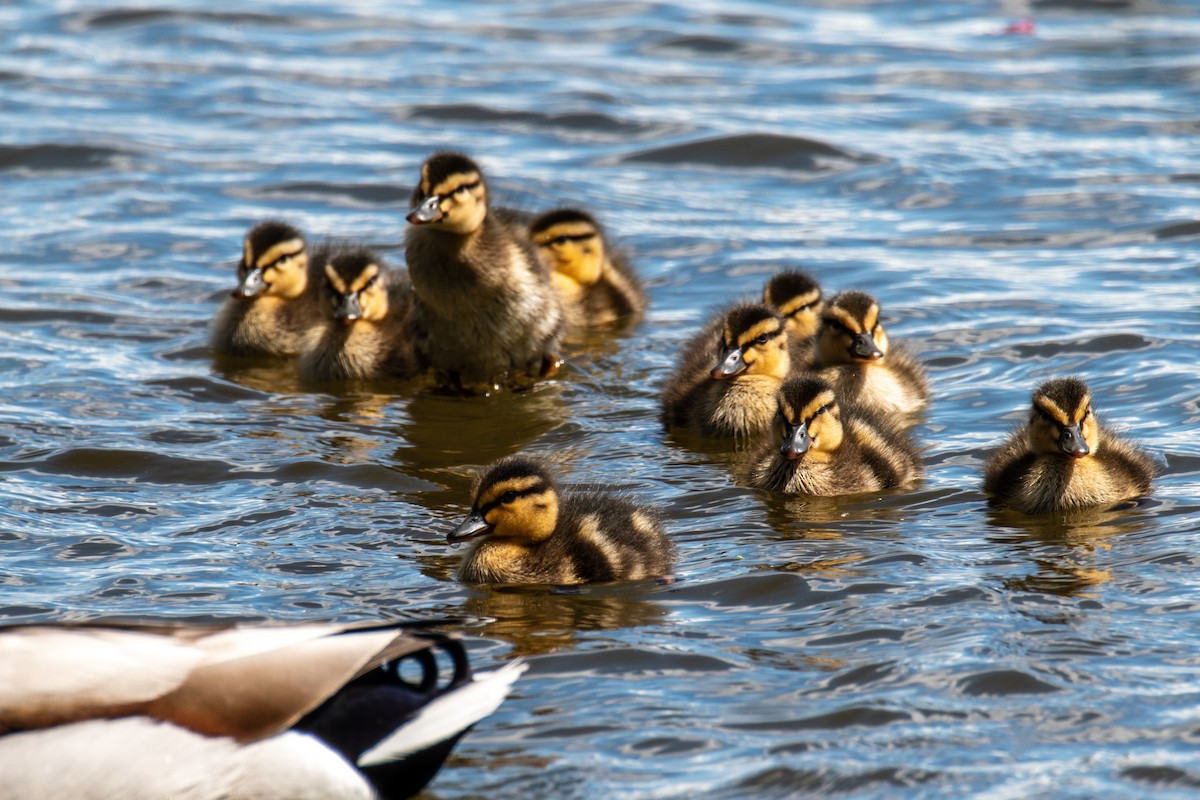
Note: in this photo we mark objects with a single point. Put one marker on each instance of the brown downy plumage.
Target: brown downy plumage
(529, 532)
(368, 331)
(796, 297)
(274, 305)
(597, 286)
(1063, 459)
(727, 387)
(852, 353)
(820, 447)
(483, 297)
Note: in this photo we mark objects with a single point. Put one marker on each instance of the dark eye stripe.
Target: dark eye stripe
(537, 488)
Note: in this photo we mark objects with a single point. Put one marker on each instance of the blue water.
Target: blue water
(1022, 205)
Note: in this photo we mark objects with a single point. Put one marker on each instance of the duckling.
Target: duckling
(852, 353)
(368, 331)
(828, 449)
(796, 296)
(531, 533)
(265, 712)
(482, 295)
(597, 286)
(1064, 459)
(736, 396)
(274, 305)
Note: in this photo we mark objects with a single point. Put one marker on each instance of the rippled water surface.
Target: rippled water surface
(1023, 205)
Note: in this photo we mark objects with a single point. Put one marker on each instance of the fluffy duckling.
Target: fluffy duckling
(271, 713)
(1064, 459)
(796, 296)
(529, 532)
(852, 353)
(597, 286)
(368, 330)
(482, 294)
(274, 305)
(827, 449)
(736, 395)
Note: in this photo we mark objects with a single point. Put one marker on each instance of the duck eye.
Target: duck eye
(508, 497)
(762, 339)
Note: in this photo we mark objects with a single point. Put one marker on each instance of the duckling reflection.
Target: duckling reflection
(274, 305)
(852, 352)
(1063, 459)
(796, 297)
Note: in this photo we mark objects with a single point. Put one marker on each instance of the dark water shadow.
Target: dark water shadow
(757, 151)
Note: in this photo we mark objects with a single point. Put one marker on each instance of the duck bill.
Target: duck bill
(251, 286)
(429, 210)
(729, 364)
(349, 310)
(1072, 443)
(796, 442)
(471, 527)
(865, 349)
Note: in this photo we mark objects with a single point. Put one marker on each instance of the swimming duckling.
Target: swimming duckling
(274, 305)
(531, 533)
(852, 353)
(736, 396)
(796, 296)
(264, 712)
(1064, 459)
(368, 331)
(828, 449)
(483, 296)
(597, 286)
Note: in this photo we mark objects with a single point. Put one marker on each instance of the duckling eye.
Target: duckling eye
(508, 497)
(762, 339)
(559, 241)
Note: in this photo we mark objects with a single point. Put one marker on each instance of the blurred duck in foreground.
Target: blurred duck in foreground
(530, 532)
(827, 449)
(274, 305)
(852, 353)
(367, 331)
(597, 286)
(269, 713)
(796, 297)
(735, 397)
(1063, 459)
(483, 297)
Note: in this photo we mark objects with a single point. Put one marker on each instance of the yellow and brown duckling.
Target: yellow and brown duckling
(274, 305)
(1064, 459)
(796, 296)
(597, 285)
(368, 329)
(527, 531)
(482, 295)
(823, 448)
(736, 395)
(852, 352)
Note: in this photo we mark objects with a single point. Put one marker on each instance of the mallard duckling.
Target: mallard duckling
(597, 286)
(1064, 459)
(828, 449)
(853, 354)
(274, 305)
(368, 331)
(482, 295)
(736, 396)
(796, 296)
(309, 711)
(530, 532)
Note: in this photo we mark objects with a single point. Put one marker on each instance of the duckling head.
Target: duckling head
(274, 262)
(810, 419)
(753, 341)
(354, 288)
(514, 499)
(850, 330)
(451, 196)
(571, 244)
(796, 297)
(1062, 420)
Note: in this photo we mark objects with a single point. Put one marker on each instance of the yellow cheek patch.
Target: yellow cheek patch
(289, 247)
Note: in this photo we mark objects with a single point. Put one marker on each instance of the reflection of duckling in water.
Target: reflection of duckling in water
(597, 286)
(1063, 459)
(274, 305)
(482, 296)
(736, 396)
(853, 354)
(368, 330)
(530, 533)
(828, 449)
(796, 297)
